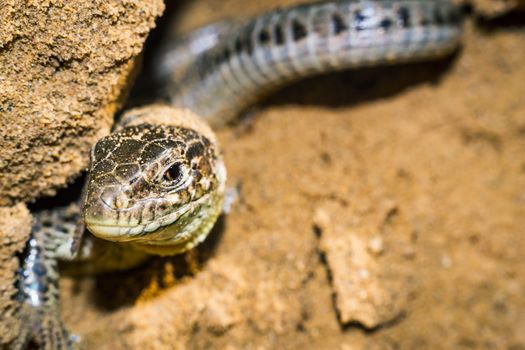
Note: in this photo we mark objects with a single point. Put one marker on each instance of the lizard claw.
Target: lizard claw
(45, 329)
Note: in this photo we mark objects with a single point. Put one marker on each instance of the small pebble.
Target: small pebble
(376, 246)
(446, 262)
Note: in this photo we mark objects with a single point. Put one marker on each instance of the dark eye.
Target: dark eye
(173, 173)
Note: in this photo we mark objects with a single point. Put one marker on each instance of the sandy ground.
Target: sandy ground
(380, 209)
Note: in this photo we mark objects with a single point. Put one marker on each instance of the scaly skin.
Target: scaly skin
(156, 185)
(280, 46)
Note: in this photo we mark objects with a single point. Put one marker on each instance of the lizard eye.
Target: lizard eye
(173, 173)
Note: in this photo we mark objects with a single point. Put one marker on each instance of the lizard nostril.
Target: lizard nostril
(118, 202)
(108, 198)
(115, 198)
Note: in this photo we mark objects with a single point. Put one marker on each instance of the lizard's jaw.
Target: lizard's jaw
(172, 233)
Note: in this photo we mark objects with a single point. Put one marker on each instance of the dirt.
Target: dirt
(490, 8)
(380, 209)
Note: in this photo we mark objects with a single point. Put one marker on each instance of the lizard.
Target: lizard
(156, 184)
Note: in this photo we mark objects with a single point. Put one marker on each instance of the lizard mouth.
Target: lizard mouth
(173, 233)
(132, 231)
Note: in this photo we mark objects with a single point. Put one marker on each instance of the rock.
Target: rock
(15, 225)
(352, 244)
(65, 67)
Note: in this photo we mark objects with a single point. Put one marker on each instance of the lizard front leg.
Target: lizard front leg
(51, 235)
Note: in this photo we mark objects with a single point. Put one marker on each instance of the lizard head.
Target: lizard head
(160, 187)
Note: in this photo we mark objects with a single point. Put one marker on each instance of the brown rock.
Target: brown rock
(351, 242)
(15, 225)
(64, 70)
